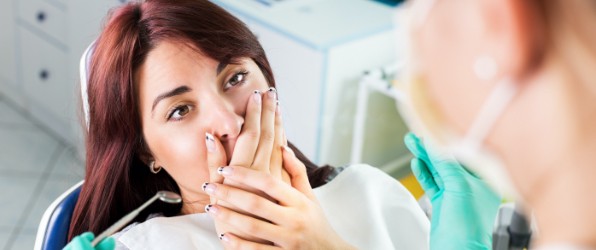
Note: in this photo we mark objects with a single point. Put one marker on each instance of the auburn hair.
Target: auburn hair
(116, 180)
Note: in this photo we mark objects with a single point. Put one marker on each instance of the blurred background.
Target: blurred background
(333, 61)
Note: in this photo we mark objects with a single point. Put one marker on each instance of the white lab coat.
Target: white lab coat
(366, 207)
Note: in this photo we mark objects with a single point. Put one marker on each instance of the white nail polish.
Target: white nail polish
(210, 142)
(288, 149)
(272, 93)
(224, 238)
(257, 96)
(211, 209)
(225, 171)
(208, 188)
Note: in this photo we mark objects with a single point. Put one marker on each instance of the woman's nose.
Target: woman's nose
(224, 122)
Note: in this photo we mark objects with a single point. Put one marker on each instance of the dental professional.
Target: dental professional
(508, 88)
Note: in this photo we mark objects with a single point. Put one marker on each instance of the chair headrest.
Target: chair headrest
(84, 74)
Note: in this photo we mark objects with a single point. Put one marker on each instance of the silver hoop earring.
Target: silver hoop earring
(153, 169)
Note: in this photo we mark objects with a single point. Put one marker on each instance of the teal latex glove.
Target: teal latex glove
(463, 206)
(83, 242)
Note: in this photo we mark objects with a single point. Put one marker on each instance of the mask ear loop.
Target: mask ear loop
(492, 109)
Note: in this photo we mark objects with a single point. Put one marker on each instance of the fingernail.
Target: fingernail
(257, 96)
(225, 171)
(224, 238)
(288, 149)
(208, 188)
(210, 142)
(211, 209)
(272, 93)
(277, 108)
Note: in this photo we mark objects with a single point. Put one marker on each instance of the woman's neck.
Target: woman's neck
(193, 202)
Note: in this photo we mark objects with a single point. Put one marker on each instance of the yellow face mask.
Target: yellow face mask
(424, 117)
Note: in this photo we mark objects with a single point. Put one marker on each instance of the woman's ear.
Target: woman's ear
(515, 32)
(145, 155)
(146, 158)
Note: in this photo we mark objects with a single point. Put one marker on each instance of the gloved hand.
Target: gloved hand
(83, 242)
(463, 206)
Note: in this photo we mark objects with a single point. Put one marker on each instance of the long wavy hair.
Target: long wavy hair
(116, 180)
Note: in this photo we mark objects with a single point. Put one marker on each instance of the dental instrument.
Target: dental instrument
(165, 196)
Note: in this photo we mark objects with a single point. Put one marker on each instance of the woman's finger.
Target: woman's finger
(285, 177)
(275, 165)
(264, 182)
(231, 241)
(244, 201)
(248, 225)
(216, 157)
(297, 172)
(263, 155)
(248, 141)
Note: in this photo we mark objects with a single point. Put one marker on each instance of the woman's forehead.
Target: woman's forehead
(177, 55)
(171, 63)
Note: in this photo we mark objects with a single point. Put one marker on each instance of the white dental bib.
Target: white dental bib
(365, 206)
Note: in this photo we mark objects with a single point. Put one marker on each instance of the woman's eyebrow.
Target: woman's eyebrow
(220, 67)
(174, 92)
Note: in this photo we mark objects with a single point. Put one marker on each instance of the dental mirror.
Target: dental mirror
(165, 196)
(169, 197)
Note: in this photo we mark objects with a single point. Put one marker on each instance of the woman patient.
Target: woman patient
(178, 89)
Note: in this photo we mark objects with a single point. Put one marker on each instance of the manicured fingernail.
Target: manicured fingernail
(272, 93)
(224, 238)
(256, 95)
(277, 108)
(208, 188)
(225, 171)
(210, 142)
(288, 149)
(211, 209)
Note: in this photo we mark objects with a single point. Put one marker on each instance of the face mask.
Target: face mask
(424, 118)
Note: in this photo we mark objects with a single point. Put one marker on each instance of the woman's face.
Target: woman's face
(183, 95)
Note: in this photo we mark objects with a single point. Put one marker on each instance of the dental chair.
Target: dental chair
(52, 233)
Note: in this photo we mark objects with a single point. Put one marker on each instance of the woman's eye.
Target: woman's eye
(178, 113)
(238, 78)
